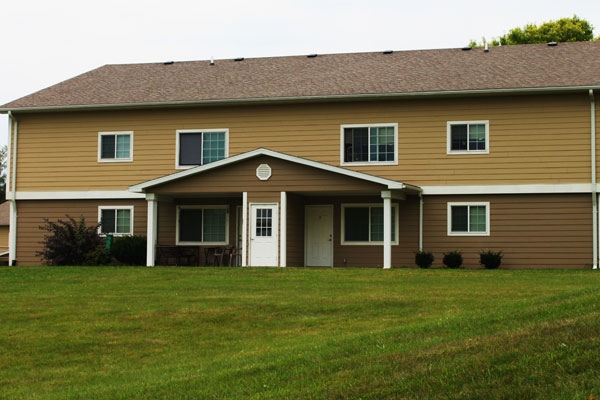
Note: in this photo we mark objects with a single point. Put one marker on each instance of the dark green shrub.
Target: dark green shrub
(453, 259)
(490, 259)
(99, 257)
(69, 242)
(130, 250)
(424, 259)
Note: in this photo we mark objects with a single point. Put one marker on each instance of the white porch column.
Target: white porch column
(244, 229)
(386, 195)
(152, 229)
(283, 229)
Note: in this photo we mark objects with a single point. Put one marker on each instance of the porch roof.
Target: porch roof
(145, 187)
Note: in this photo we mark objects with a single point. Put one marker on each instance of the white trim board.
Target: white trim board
(508, 189)
(78, 195)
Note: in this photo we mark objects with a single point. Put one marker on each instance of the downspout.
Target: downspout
(594, 188)
(13, 125)
(421, 221)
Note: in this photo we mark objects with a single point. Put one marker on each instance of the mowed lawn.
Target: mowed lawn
(296, 333)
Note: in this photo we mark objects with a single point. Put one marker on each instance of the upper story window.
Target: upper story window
(116, 221)
(470, 137)
(469, 219)
(369, 144)
(363, 224)
(115, 146)
(199, 147)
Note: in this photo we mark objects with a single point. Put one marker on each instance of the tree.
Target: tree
(563, 30)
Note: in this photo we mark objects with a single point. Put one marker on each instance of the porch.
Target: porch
(279, 210)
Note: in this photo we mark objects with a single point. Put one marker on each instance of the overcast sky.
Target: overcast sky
(45, 42)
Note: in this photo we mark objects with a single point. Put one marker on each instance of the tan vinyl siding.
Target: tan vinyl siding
(534, 231)
(533, 139)
(32, 214)
(295, 231)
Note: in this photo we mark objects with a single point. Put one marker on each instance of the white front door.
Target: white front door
(319, 236)
(263, 235)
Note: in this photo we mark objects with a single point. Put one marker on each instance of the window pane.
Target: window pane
(458, 137)
(477, 137)
(107, 220)
(190, 225)
(123, 221)
(477, 220)
(107, 146)
(190, 148)
(460, 219)
(382, 144)
(356, 144)
(264, 222)
(213, 146)
(356, 224)
(214, 224)
(123, 146)
(377, 224)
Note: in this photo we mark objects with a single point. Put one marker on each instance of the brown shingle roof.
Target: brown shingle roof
(518, 67)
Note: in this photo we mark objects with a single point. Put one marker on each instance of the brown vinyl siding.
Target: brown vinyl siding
(533, 139)
(533, 231)
(372, 255)
(295, 231)
(286, 176)
(32, 213)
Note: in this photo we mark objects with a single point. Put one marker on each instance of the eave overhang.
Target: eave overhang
(303, 99)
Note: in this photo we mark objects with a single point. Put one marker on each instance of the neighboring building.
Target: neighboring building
(326, 160)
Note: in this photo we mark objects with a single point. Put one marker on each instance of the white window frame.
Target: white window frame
(203, 131)
(469, 204)
(363, 163)
(116, 133)
(202, 243)
(131, 215)
(449, 125)
(369, 242)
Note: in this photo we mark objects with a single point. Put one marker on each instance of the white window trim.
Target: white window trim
(449, 150)
(113, 160)
(130, 208)
(468, 203)
(363, 163)
(368, 243)
(180, 131)
(196, 243)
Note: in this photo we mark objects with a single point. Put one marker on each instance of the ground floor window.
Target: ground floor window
(116, 221)
(363, 223)
(469, 219)
(202, 224)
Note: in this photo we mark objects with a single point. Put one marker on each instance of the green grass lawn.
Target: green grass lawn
(238, 333)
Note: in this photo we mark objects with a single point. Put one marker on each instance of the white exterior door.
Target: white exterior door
(264, 227)
(319, 236)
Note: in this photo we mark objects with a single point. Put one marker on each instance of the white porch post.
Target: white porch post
(244, 229)
(152, 231)
(283, 228)
(386, 195)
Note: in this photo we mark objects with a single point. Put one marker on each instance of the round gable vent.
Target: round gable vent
(263, 172)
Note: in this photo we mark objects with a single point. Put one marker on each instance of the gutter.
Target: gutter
(301, 99)
(594, 179)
